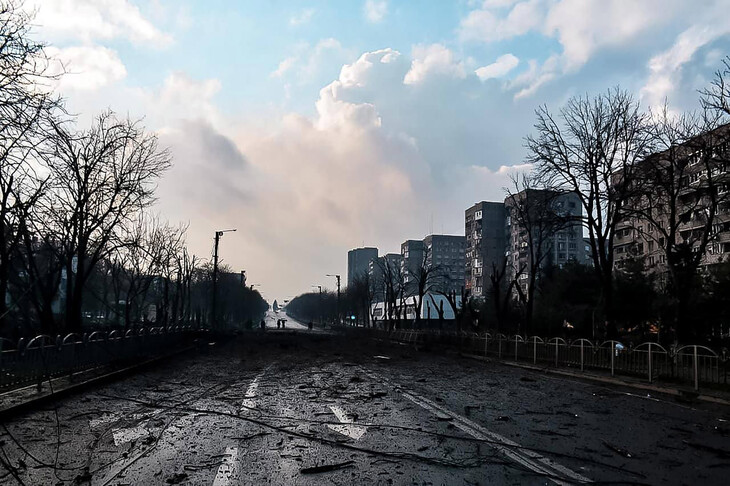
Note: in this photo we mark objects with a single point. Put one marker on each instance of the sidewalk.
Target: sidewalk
(684, 393)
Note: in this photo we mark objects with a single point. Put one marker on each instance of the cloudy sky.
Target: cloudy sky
(318, 126)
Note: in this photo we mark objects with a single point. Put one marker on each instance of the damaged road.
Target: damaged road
(322, 409)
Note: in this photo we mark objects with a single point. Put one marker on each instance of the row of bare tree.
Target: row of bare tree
(660, 174)
(78, 241)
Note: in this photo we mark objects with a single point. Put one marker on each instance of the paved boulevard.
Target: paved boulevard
(308, 408)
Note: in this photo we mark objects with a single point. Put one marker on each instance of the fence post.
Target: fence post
(650, 374)
(613, 353)
(697, 378)
(581, 354)
(534, 349)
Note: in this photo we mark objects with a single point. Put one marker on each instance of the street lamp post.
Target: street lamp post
(214, 313)
(339, 318)
(321, 323)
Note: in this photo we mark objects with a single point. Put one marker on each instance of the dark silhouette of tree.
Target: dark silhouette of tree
(591, 148)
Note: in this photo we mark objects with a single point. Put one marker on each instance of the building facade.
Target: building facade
(548, 218)
(686, 199)
(412, 253)
(446, 256)
(484, 230)
(358, 262)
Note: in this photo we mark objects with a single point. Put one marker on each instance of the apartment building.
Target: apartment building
(552, 219)
(446, 254)
(681, 187)
(358, 262)
(412, 253)
(484, 229)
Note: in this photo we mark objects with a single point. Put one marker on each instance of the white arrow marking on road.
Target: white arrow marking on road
(352, 431)
(227, 468)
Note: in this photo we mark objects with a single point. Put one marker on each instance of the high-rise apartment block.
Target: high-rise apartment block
(412, 253)
(358, 262)
(484, 229)
(550, 218)
(446, 254)
(680, 188)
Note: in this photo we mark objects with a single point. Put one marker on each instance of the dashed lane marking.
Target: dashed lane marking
(531, 460)
(252, 390)
(227, 469)
(352, 431)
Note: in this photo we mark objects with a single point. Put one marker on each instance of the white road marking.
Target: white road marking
(352, 431)
(527, 458)
(227, 468)
(251, 391)
(122, 436)
(104, 419)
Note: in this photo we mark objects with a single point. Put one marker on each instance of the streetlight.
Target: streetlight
(217, 240)
(339, 320)
(321, 322)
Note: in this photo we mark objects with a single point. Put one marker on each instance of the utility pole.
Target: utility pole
(213, 312)
(339, 318)
(321, 323)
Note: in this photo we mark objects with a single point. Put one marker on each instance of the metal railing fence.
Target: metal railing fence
(690, 364)
(35, 360)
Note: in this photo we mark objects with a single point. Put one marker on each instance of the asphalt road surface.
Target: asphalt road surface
(272, 317)
(311, 409)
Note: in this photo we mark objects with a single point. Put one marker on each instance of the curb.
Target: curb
(34, 401)
(612, 381)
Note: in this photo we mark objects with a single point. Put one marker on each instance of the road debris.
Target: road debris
(326, 468)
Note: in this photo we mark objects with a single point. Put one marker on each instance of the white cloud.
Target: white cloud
(307, 61)
(89, 20)
(585, 26)
(302, 17)
(430, 60)
(375, 10)
(86, 67)
(582, 27)
(503, 65)
(487, 26)
(666, 67)
(357, 73)
(284, 66)
(536, 75)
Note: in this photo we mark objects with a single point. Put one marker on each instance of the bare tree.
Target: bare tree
(537, 215)
(681, 191)
(716, 97)
(501, 288)
(100, 180)
(24, 111)
(427, 277)
(391, 283)
(591, 149)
